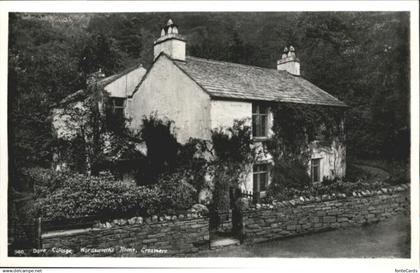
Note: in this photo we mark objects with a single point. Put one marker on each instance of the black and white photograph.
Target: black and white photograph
(208, 134)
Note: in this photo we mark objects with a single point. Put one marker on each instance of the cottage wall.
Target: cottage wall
(224, 112)
(125, 85)
(333, 159)
(171, 94)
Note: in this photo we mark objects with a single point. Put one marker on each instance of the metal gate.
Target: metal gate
(227, 223)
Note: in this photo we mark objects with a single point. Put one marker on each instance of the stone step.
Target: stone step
(224, 242)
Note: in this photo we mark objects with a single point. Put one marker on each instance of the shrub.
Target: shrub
(77, 195)
(289, 174)
(233, 152)
(399, 174)
(326, 181)
(354, 173)
(43, 181)
(100, 196)
(176, 192)
(162, 149)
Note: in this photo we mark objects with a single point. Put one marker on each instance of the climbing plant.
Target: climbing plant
(234, 154)
(295, 128)
(92, 139)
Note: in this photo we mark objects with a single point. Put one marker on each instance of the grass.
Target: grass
(368, 170)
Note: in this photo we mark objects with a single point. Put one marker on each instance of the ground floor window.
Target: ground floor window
(260, 177)
(316, 170)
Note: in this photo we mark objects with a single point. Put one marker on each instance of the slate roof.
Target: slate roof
(237, 81)
(105, 81)
(82, 94)
(79, 95)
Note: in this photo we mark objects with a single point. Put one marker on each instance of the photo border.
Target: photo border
(285, 264)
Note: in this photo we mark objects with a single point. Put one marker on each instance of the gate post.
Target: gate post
(38, 232)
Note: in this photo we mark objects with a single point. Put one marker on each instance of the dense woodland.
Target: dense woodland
(361, 58)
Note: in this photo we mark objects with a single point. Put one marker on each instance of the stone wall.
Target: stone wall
(155, 236)
(308, 215)
(185, 235)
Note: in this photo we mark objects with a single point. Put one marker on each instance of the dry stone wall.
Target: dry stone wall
(135, 237)
(308, 215)
(185, 235)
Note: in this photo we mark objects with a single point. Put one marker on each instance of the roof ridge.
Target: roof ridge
(237, 64)
(259, 83)
(118, 75)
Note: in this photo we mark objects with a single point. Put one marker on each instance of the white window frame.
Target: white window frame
(257, 188)
(257, 118)
(118, 107)
(319, 160)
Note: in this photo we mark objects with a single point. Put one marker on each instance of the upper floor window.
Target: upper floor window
(259, 120)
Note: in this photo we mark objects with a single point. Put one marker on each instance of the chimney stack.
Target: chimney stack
(94, 77)
(289, 62)
(170, 42)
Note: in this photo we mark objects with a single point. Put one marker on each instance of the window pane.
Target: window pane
(119, 112)
(263, 109)
(264, 167)
(254, 125)
(255, 183)
(263, 181)
(263, 125)
(255, 108)
(260, 177)
(315, 170)
(118, 102)
(258, 126)
(316, 173)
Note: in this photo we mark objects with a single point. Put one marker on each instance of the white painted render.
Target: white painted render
(171, 94)
(174, 48)
(332, 159)
(293, 67)
(124, 86)
(223, 113)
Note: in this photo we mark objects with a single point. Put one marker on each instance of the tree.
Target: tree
(100, 52)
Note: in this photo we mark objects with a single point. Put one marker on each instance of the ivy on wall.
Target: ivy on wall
(234, 153)
(295, 127)
(95, 138)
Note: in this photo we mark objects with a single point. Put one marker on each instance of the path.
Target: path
(390, 238)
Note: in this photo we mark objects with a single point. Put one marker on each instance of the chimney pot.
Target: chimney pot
(170, 42)
(289, 62)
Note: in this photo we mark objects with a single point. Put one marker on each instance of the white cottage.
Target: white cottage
(201, 94)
